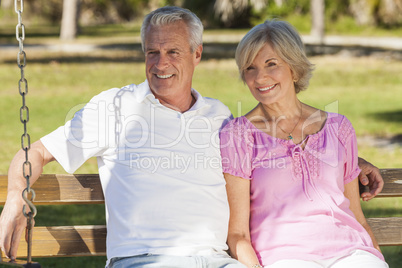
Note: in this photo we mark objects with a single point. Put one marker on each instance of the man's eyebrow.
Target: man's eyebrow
(167, 49)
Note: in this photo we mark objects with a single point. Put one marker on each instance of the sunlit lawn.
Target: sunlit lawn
(366, 90)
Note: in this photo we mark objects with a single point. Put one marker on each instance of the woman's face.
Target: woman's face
(269, 78)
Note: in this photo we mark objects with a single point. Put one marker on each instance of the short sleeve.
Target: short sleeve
(81, 138)
(348, 139)
(236, 149)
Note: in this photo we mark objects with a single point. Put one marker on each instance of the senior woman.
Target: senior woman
(291, 169)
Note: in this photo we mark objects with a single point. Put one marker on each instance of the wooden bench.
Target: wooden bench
(90, 240)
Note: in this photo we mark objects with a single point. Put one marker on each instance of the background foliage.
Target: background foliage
(379, 13)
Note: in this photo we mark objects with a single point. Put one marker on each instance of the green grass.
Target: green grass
(366, 90)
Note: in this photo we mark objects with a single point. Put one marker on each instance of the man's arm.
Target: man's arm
(370, 176)
(12, 220)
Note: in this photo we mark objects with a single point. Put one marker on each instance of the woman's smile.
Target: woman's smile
(267, 88)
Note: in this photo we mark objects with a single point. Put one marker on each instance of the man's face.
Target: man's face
(169, 61)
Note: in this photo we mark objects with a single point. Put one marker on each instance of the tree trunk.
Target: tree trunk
(317, 8)
(390, 12)
(279, 3)
(363, 11)
(69, 21)
(7, 4)
(154, 4)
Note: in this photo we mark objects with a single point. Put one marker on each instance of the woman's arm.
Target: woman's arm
(238, 190)
(352, 193)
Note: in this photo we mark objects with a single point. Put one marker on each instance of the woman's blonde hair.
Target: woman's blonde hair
(285, 41)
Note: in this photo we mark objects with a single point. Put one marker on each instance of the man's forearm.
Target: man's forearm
(38, 156)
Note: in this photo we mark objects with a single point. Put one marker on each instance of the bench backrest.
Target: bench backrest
(90, 240)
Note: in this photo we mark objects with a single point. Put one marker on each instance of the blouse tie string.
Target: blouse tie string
(298, 152)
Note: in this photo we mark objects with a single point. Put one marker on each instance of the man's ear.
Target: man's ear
(198, 54)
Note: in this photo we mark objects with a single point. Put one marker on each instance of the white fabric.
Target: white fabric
(356, 259)
(160, 170)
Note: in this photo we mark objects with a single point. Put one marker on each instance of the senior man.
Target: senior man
(157, 145)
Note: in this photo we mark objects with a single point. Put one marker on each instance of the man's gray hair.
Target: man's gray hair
(170, 14)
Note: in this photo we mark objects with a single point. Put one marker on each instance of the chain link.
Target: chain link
(24, 118)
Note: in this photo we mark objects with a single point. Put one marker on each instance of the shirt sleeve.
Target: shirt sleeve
(81, 138)
(351, 167)
(236, 151)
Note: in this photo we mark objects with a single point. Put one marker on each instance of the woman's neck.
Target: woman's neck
(288, 110)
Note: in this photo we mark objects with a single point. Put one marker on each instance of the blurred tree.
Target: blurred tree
(336, 9)
(154, 4)
(44, 10)
(6, 4)
(235, 13)
(111, 11)
(279, 3)
(221, 13)
(283, 8)
(390, 12)
(69, 20)
(204, 9)
(377, 12)
(364, 11)
(128, 10)
(317, 9)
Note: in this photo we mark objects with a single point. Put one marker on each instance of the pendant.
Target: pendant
(290, 136)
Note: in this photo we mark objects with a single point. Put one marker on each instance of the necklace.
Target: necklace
(290, 135)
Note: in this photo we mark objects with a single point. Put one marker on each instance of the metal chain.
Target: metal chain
(24, 117)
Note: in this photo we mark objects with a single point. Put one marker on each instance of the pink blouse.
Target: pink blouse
(298, 209)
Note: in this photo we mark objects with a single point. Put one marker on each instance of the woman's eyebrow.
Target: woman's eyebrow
(270, 59)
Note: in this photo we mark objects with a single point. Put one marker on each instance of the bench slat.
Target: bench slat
(393, 183)
(66, 241)
(387, 231)
(57, 189)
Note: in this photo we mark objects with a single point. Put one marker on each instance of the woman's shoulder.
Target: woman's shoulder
(235, 125)
(338, 119)
(341, 125)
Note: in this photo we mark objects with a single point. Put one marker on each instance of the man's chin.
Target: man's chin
(161, 90)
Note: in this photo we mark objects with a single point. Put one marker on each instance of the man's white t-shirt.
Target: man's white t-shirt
(160, 170)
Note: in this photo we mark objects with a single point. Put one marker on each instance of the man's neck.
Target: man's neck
(180, 104)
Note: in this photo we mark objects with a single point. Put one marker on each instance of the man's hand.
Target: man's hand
(12, 225)
(370, 176)
(12, 221)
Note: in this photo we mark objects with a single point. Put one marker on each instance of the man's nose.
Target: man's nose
(162, 61)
